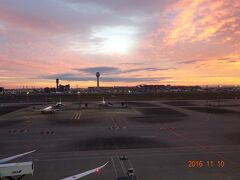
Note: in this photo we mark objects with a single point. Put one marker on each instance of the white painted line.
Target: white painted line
(76, 117)
(114, 167)
(73, 116)
(123, 167)
(79, 115)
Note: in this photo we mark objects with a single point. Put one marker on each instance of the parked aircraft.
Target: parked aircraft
(48, 109)
(51, 109)
(105, 103)
(59, 105)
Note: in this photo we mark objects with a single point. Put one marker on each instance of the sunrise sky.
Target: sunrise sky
(130, 42)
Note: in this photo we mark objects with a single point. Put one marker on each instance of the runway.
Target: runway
(162, 140)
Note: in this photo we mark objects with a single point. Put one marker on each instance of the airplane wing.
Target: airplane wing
(14, 157)
(48, 108)
(78, 176)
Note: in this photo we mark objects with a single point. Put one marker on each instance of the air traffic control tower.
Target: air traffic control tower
(57, 84)
(98, 76)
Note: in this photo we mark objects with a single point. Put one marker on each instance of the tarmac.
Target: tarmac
(183, 140)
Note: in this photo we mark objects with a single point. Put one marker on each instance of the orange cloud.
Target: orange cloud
(198, 20)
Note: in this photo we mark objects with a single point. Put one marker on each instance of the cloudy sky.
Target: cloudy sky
(130, 42)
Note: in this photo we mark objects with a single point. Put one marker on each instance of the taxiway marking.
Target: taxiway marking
(114, 167)
(77, 115)
(122, 166)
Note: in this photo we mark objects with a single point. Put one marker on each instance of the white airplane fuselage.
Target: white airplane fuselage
(48, 109)
(105, 104)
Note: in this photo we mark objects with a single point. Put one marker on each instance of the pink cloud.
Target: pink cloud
(198, 20)
(18, 20)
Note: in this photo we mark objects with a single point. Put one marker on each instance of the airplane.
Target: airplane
(48, 109)
(105, 104)
(23, 168)
(59, 105)
(51, 109)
